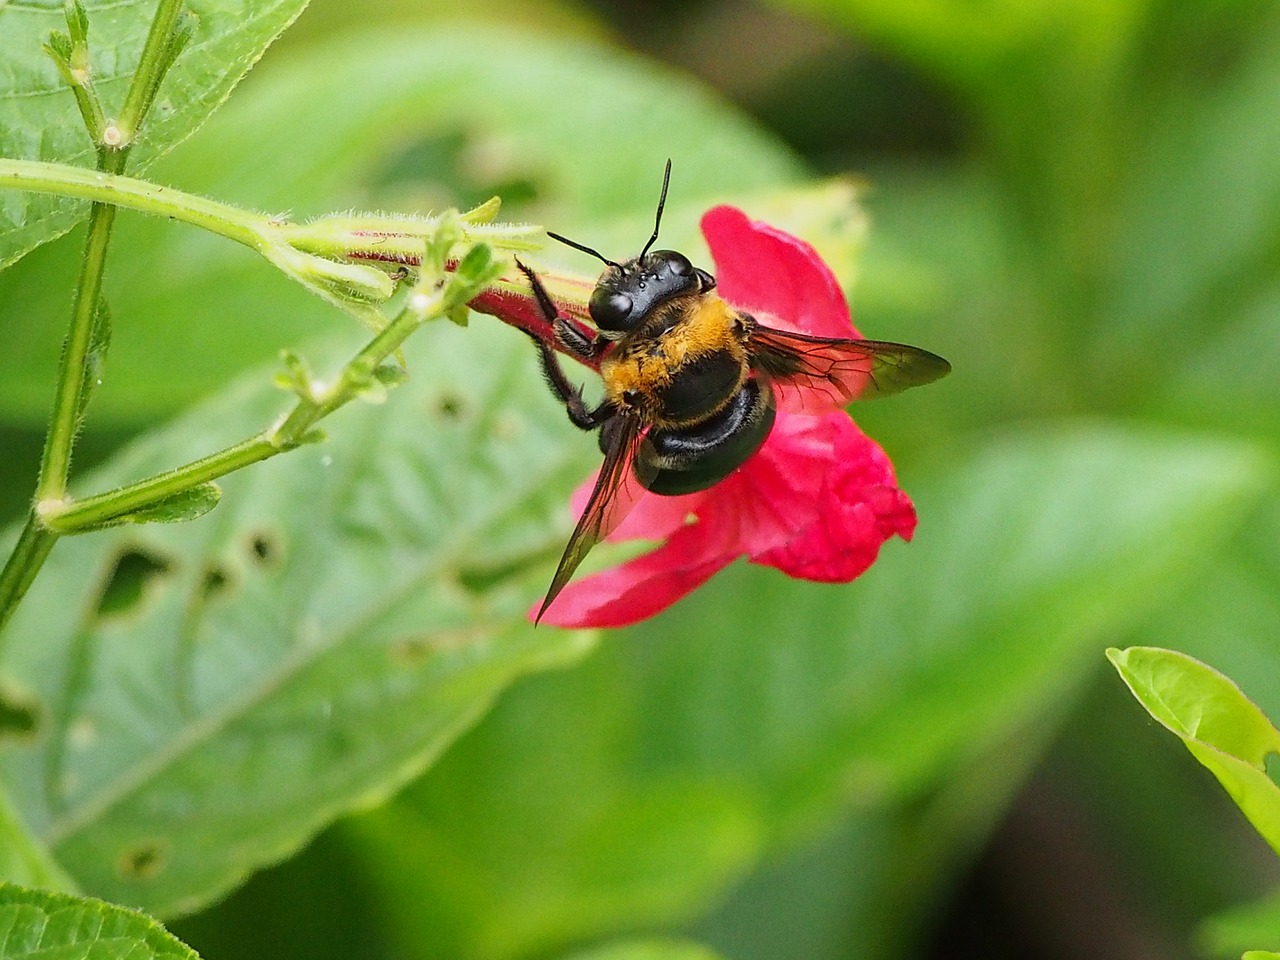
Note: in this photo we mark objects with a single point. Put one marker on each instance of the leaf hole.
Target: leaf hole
(216, 583)
(449, 407)
(143, 860)
(411, 651)
(135, 574)
(19, 716)
(266, 548)
(458, 168)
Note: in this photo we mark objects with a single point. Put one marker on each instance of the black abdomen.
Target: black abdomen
(688, 459)
(699, 388)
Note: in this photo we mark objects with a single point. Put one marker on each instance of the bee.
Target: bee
(692, 385)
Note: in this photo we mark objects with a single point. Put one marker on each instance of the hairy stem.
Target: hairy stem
(105, 507)
(55, 463)
(290, 431)
(33, 546)
(152, 66)
(37, 539)
(106, 188)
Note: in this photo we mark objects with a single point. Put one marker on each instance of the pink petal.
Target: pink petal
(762, 269)
(771, 495)
(857, 509)
(650, 517)
(642, 587)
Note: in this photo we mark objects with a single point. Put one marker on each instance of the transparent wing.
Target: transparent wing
(616, 491)
(816, 374)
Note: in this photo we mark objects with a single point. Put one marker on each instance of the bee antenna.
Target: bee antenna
(585, 249)
(662, 202)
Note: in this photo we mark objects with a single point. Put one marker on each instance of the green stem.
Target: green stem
(354, 373)
(56, 460)
(37, 539)
(152, 65)
(288, 433)
(66, 181)
(90, 512)
(104, 507)
(33, 546)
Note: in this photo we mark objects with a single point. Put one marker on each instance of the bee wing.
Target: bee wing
(816, 374)
(616, 491)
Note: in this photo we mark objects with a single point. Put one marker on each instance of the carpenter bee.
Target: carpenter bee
(692, 385)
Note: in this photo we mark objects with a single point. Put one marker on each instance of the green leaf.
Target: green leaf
(96, 358)
(1193, 261)
(398, 131)
(38, 925)
(634, 789)
(646, 950)
(179, 508)
(210, 694)
(22, 857)
(38, 115)
(1260, 955)
(966, 43)
(1231, 931)
(1222, 728)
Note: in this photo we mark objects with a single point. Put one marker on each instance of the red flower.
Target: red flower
(816, 500)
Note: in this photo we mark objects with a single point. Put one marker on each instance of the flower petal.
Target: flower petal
(762, 269)
(858, 507)
(642, 587)
(650, 517)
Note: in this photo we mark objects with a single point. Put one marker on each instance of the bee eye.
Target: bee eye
(610, 309)
(679, 264)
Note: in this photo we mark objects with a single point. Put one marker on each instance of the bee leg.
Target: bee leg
(578, 342)
(580, 415)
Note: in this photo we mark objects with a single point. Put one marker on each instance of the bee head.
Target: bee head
(628, 293)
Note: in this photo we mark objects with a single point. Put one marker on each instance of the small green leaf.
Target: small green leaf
(38, 925)
(1260, 955)
(96, 358)
(483, 212)
(1221, 727)
(77, 22)
(184, 31)
(391, 374)
(181, 507)
(476, 264)
(59, 47)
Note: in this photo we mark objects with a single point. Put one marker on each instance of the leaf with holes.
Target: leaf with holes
(39, 119)
(39, 925)
(1221, 727)
(210, 694)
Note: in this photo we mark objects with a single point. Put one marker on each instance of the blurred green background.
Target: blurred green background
(1076, 202)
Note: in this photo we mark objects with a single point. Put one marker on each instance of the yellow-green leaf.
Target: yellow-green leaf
(1221, 727)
